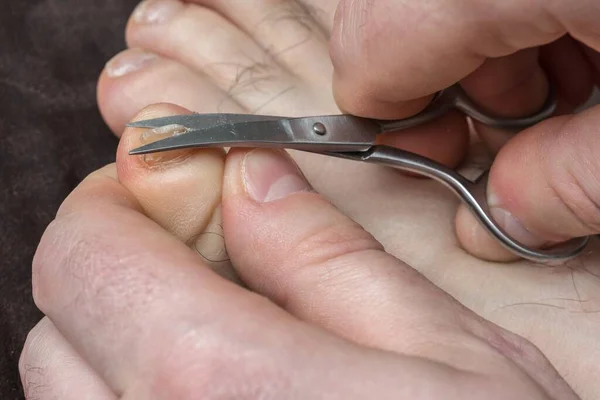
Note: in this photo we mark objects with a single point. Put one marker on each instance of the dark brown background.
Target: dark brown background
(51, 136)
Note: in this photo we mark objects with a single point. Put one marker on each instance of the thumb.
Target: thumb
(543, 188)
(295, 247)
(291, 245)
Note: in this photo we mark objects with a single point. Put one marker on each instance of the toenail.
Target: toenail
(128, 61)
(153, 135)
(156, 11)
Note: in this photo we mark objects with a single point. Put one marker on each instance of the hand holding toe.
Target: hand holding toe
(212, 56)
(143, 316)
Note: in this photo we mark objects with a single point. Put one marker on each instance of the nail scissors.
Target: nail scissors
(354, 138)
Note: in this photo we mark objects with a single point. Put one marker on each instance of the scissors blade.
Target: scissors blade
(316, 134)
(200, 121)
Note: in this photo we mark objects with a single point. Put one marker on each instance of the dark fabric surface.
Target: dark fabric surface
(51, 136)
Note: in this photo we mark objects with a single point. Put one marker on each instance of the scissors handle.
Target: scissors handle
(472, 193)
(455, 97)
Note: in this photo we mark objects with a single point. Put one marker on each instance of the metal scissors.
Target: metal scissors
(354, 138)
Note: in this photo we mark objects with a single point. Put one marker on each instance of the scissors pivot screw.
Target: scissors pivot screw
(319, 129)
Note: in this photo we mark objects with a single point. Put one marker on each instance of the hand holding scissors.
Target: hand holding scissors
(354, 138)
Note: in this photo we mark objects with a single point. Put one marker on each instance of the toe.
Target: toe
(313, 14)
(195, 57)
(296, 32)
(180, 190)
(196, 36)
(137, 78)
(253, 73)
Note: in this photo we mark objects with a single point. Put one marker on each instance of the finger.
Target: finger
(459, 38)
(543, 187)
(302, 253)
(51, 369)
(305, 255)
(512, 86)
(136, 304)
(569, 71)
(104, 267)
(165, 327)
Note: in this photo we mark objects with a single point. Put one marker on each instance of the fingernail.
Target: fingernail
(127, 62)
(156, 11)
(272, 175)
(511, 225)
(163, 132)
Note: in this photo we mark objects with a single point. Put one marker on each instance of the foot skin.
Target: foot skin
(272, 58)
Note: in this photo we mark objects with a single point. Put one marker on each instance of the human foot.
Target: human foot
(213, 59)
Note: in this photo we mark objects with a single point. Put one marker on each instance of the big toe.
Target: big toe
(180, 190)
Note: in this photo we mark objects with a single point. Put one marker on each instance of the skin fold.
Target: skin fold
(212, 56)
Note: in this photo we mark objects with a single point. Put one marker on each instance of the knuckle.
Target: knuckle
(334, 256)
(585, 208)
(523, 352)
(577, 187)
(334, 240)
(509, 344)
(570, 174)
(528, 352)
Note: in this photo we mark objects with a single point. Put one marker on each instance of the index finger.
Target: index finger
(390, 55)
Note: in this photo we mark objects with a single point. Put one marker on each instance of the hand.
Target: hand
(390, 55)
(135, 313)
(284, 69)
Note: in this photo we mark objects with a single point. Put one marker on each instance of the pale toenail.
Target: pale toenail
(153, 135)
(156, 11)
(128, 61)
